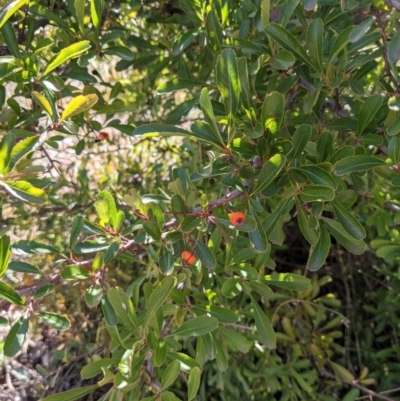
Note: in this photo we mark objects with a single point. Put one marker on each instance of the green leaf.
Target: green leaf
(153, 229)
(25, 191)
(272, 112)
(78, 105)
(76, 229)
(361, 29)
(235, 340)
(160, 352)
(9, 294)
(265, 9)
(318, 176)
(352, 395)
(232, 287)
(227, 77)
(340, 234)
(16, 336)
(283, 60)
(93, 295)
(177, 84)
(8, 33)
(315, 32)
(310, 234)
(269, 171)
(73, 272)
(264, 326)
(353, 164)
(4, 253)
(111, 252)
(166, 261)
(288, 281)
(341, 42)
(22, 267)
(222, 314)
(10, 10)
(299, 141)
(108, 311)
(43, 291)
(194, 383)
(349, 222)
(317, 193)
(368, 110)
(214, 31)
(94, 368)
(150, 130)
(320, 251)
(96, 11)
(197, 326)
(40, 11)
(205, 255)
(287, 10)
(72, 395)
(258, 238)
(6, 146)
(32, 247)
(158, 297)
(206, 107)
(170, 374)
(43, 103)
(393, 50)
(55, 320)
(273, 219)
(66, 54)
(288, 42)
(393, 148)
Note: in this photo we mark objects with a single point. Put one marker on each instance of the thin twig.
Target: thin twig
(359, 386)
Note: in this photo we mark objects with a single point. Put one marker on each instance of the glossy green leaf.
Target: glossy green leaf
(43, 103)
(55, 320)
(94, 368)
(265, 10)
(74, 272)
(72, 395)
(315, 32)
(96, 11)
(23, 247)
(393, 50)
(235, 340)
(23, 267)
(311, 235)
(258, 238)
(205, 255)
(273, 219)
(317, 193)
(8, 33)
(78, 105)
(320, 251)
(288, 42)
(158, 297)
(150, 130)
(232, 287)
(393, 149)
(66, 54)
(170, 374)
(299, 141)
(152, 229)
(227, 77)
(166, 261)
(9, 294)
(16, 336)
(6, 146)
(368, 110)
(349, 221)
(178, 84)
(340, 234)
(319, 176)
(264, 326)
(193, 383)
(206, 107)
(269, 171)
(93, 295)
(341, 42)
(24, 147)
(43, 291)
(76, 229)
(197, 326)
(272, 112)
(357, 163)
(214, 31)
(25, 191)
(10, 10)
(361, 29)
(4, 253)
(108, 311)
(288, 281)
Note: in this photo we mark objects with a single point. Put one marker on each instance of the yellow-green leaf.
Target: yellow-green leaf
(25, 191)
(66, 54)
(43, 103)
(11, 9)
(78, 105)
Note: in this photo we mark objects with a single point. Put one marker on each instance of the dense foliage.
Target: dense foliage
(202, 197)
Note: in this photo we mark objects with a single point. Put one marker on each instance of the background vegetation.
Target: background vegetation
(131, 131)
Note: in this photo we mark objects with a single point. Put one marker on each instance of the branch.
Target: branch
(359, 386)
(56, 278)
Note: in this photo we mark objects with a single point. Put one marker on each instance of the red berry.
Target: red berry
(188, 257)
(103, 136)
(237, 218)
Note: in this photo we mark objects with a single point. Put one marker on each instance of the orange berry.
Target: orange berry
(237, 218)
(188, 257)
(103, 136)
